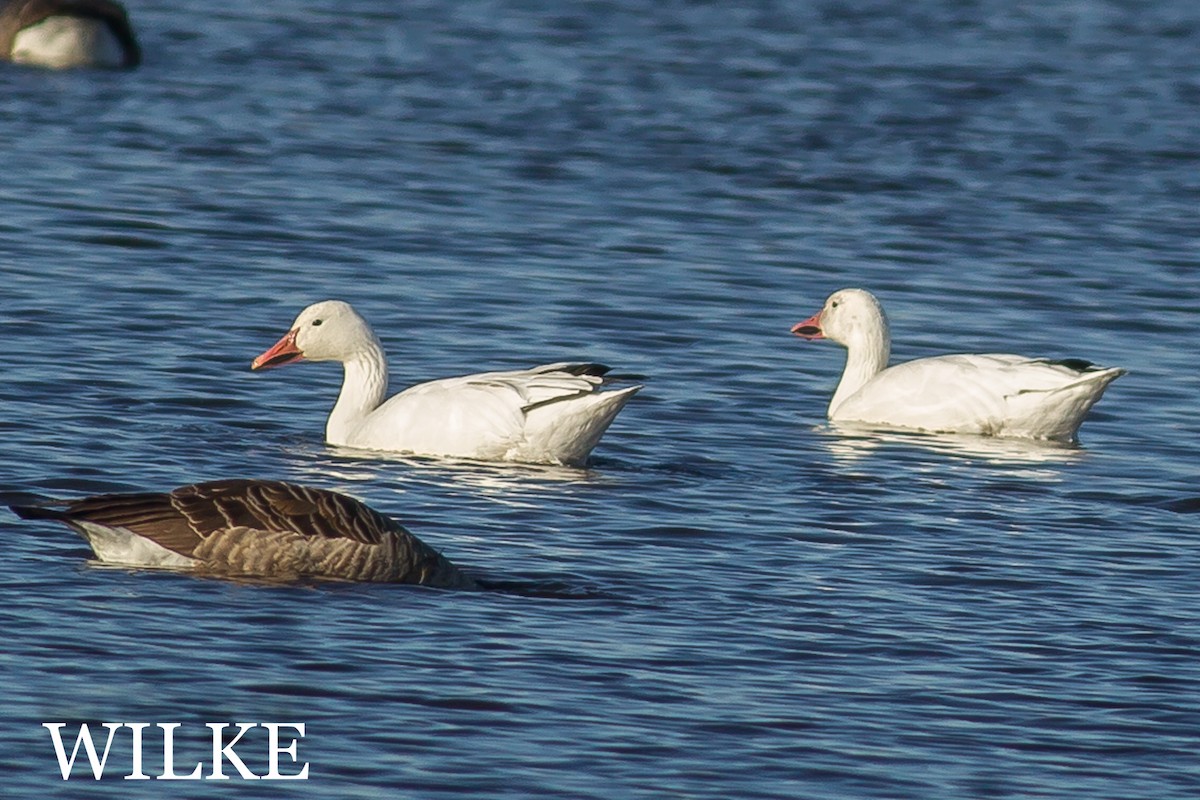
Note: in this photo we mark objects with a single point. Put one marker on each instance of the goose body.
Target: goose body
(551, 414)
(253, 528)
(992, 394)
(67, 33)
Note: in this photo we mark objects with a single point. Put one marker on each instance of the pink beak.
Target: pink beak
(810, 328)
(282, 352)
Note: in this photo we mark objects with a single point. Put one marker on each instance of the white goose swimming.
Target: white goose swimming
(252, 528)
(552, 414)
(988, 394)
(67, 33)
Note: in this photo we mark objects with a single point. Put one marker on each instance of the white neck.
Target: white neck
(867, 353)
(363, 389)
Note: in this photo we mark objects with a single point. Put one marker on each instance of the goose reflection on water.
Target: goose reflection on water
(503, 482)
(853, 442)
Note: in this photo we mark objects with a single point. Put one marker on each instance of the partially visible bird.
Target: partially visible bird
(67, 33)
(255, 529)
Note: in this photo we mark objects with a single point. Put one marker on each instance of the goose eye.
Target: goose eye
(317, 322)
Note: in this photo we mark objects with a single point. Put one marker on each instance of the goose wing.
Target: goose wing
(484, 415)
(267, 528)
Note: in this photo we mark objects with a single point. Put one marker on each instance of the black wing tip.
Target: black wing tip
(1080, 365)
(38, 512)
(587, 368)
(602, 371)
(626, 377)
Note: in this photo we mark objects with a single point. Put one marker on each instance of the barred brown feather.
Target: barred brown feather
(268, 529)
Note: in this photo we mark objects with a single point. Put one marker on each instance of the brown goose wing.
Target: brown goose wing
(279, 506)
(181, 519)
(285, 530)
(149, 514)
(287, 555)
(268, 529)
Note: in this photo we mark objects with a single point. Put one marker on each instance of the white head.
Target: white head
(848, 317)
(854, 319)
(327, 331)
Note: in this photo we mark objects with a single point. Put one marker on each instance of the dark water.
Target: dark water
(735, 601)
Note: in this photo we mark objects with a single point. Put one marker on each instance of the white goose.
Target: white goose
(552, 414)
(993, 394)
(67, 33)
(252, 528)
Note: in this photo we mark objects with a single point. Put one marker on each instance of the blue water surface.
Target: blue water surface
(734, 600)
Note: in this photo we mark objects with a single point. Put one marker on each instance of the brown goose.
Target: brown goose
(67, 33)
(252, 528)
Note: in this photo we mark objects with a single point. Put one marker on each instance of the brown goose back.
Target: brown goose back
(273, 529)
